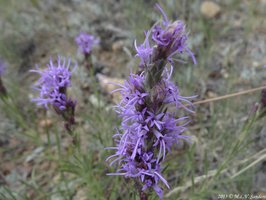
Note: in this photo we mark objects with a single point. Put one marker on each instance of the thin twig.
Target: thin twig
(229, 95)
(249, 166)
(253, 156)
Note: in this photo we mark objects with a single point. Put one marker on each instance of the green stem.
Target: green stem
(88, 63)
(154, 74)
(58, 144)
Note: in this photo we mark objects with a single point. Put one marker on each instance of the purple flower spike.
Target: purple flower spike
(3, 91)
(2, 67)
(86, 42)
(147, 131)
(150, 125)
(53, 84)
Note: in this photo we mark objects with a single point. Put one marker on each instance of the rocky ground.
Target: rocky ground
(227, 36)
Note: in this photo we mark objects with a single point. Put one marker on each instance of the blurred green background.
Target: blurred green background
(228, 38)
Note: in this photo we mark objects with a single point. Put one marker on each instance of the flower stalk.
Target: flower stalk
(3, 91)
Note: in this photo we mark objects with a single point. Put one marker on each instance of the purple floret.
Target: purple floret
(171, 38)
(86, 42)
(53, 83)
(144, 51)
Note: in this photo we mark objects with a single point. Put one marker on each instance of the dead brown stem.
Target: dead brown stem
(229, 95)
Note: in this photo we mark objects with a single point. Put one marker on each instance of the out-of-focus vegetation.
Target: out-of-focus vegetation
(227, 155)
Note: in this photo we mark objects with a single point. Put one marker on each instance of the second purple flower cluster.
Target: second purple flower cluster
(52, 86)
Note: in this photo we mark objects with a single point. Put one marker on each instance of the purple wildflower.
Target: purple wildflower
(2, 67)
(147, 132)
(149, 127)
(52, 86)
(3, 91)
(86, 42)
